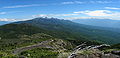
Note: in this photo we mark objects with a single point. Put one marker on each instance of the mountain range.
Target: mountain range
(99, 22)
(54, 38)
(59, 28)
(4, 22)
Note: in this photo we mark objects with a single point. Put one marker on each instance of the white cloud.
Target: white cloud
(96, 12)
(2, 13)
(10, 12)
(54, 15)
(5, 19)
(73, 2)
(67, 2)
(72, 18)
(87, 14)
(112, 8)
(83, 2)
(13, 20)
(101, 2)
(19, 6)
(104, 14)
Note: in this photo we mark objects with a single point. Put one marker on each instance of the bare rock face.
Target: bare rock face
(98, 56)
(92, 52)
(116, 52)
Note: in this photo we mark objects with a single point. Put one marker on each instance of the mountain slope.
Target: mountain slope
(4, 22)
(65, 29)
(50, 36)
(41, 42)
(99, 22)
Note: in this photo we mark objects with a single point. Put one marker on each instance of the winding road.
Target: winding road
(42, 44)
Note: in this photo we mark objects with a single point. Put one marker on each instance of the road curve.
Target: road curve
(42, 44)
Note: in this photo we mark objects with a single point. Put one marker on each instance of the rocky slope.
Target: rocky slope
(83, 51)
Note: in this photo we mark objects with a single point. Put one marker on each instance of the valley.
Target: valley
(50, 37)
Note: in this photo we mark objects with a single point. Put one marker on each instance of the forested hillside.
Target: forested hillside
(66, 29)
(51, 37)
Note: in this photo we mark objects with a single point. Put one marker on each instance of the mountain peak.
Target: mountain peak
(47, 18)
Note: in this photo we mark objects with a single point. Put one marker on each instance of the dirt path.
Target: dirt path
(42, 44)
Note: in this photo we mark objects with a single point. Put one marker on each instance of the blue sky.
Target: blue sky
(12, 10)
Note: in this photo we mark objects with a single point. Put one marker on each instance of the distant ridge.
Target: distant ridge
(99, 22)
(4, 22)
(63, 29)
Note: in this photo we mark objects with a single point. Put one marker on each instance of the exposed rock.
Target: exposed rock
(97, 56)
(116, 52)
(92, 52)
